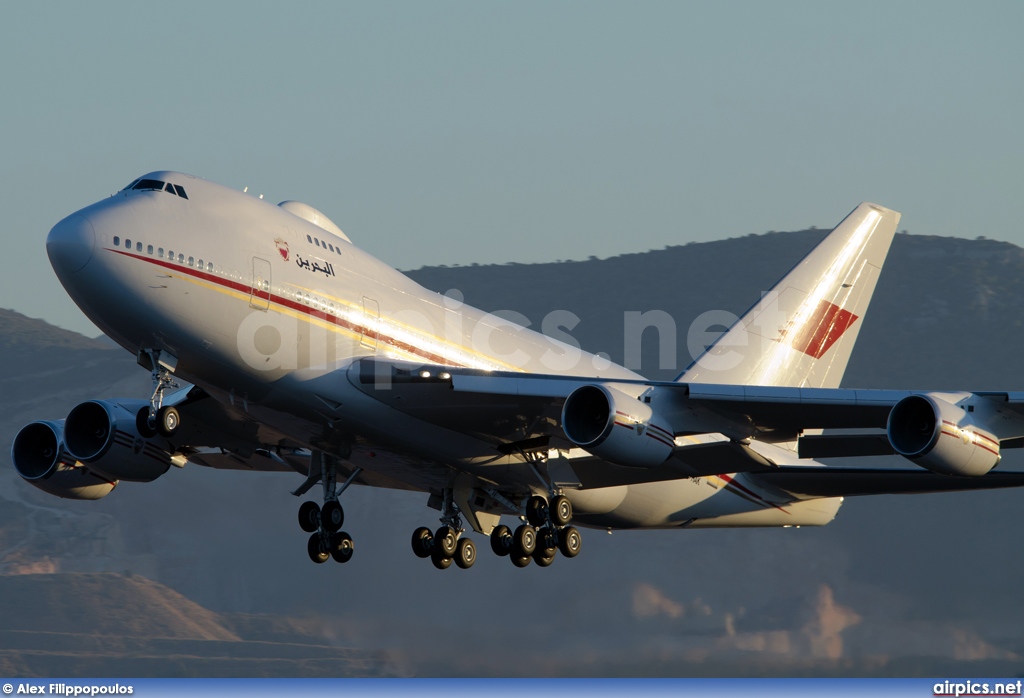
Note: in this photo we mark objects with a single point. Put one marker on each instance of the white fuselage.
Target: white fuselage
(267, 310)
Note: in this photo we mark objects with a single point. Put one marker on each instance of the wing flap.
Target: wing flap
(855, 482)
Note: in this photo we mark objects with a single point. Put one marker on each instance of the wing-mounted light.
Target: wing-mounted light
(941, 436)
(616, 427)
(39, 457)
(104, 434)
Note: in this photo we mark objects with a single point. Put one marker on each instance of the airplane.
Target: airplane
(275, 344)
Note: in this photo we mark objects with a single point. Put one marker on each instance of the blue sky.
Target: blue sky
(452, 133)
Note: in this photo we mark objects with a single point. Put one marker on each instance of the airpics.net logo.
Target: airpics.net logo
(323, 332)
(958, 689)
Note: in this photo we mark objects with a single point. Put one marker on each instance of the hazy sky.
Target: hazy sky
(442, 133)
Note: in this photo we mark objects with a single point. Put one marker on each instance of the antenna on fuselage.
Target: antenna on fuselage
(246, 190)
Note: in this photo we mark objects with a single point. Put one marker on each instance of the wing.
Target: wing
(524, 412)
(854, 482)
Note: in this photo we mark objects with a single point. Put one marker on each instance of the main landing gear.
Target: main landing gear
(544, 534)
(447, 544)
(324, 523)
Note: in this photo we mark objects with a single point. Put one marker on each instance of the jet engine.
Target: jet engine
(104, 435)
(941, 437)
(616, 427)
(40, 460)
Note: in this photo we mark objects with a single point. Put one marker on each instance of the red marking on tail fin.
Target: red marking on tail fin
(823, 329)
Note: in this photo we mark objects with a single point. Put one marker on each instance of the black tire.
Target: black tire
(465, 553)
(316, 550)
(445, 541)
(422, 542)
(501, 540)
(332, 516)
(146, 429)
(309, 517)
(569, 541)
(520, 561)
(544, 558)
(441, 561)
(168, 421)
(536, 511)
(525, 541)
(342, 547)
(561, 510)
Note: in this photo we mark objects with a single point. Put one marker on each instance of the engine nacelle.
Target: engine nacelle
(616, 427)
(104, 435)
(39, 458)
(941, 437)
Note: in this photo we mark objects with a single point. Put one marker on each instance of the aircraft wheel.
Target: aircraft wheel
(147, 429)
(445, 541)
(465, 553)
(342, 547)
(422, 542)
(525, 541)
(544, 557)
(440, 560)
(519, 560)
(309, 516)
(569, 541)
(561, 510)
(167, 421)
(536, 511)
(332, 516)
(316, 550)
(501, 540)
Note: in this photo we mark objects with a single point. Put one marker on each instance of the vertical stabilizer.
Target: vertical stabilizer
(802, 332)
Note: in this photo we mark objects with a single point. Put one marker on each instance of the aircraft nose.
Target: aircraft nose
(70, 244)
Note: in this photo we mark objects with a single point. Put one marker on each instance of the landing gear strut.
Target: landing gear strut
(158, 418)
(326, 539)
(447, 544)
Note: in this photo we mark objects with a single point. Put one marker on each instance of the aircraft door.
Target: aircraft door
(371, 323)
(259, 298)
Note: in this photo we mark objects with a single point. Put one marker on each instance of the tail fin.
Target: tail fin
(802, 332)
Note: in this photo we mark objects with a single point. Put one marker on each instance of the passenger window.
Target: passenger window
(200, 265)
(316, 241)
(191, 261)
(330, 247)
(160, 252)
(128, 243)
(117, 241)
(209, 267)
(149, 249)
(309, 239)
(138, 247)
(181, 258)
(170, 255)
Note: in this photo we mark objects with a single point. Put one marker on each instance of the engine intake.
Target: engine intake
(39, 458)
(616, 427)
(941, 437)
(105, 435)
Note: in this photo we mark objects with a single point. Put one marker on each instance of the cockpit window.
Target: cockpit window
(148, 185)
(157, 185)
(130, 185)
